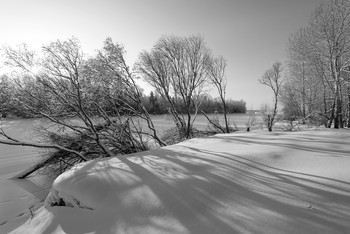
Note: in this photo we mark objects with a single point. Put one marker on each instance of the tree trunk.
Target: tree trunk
(188, 127)
(218, 126)
(331, 117)
(272, 118)
(339, 111)
(303, 94)
(338, 120)
(34, 168)
(348, 125)
(269, 123)
(340, 108)
(225, 115)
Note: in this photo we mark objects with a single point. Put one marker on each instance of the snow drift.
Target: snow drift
(257, 182)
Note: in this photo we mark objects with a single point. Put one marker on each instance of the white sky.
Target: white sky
(250, 34)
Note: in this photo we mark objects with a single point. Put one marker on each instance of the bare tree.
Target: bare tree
(130, 97)
(319, 56)
(298, 69)
(91, 103)
(273, 79)
(305, 82)
(330, 27)
(177, 68)
(216, 74)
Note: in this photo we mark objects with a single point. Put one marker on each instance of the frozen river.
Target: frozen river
(18, 198)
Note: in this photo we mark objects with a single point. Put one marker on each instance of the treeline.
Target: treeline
(156, 105)
(214, 105)
(317, 84)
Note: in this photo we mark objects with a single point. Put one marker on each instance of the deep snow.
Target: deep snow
(248, 182)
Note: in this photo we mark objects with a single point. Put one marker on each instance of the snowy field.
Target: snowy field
(247, 182)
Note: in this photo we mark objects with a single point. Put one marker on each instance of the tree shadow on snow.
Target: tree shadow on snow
(203, 191)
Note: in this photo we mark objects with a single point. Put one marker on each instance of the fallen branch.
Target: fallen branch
(12, 141)
(43, 146)
(34, 168)
(217, 126)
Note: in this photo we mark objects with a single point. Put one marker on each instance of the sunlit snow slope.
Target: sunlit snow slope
(255, 182)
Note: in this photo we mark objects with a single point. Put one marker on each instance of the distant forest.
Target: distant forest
(155, 105)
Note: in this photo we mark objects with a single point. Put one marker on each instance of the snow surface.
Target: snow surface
(18, 198)
(249, 182)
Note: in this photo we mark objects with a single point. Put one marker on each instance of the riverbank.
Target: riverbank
(244, 182)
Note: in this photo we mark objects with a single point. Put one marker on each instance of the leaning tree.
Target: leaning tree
(91, 103)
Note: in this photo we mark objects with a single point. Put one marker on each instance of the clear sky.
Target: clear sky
(250, 34)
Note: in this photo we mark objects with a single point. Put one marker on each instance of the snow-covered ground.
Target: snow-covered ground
(18, 198)
(249, 182)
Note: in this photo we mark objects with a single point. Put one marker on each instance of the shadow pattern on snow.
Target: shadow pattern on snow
(190, 189)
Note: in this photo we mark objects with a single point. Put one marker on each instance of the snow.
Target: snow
(247, 182)
(19, 197)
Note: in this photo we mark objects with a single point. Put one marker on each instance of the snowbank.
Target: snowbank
(255, 182)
